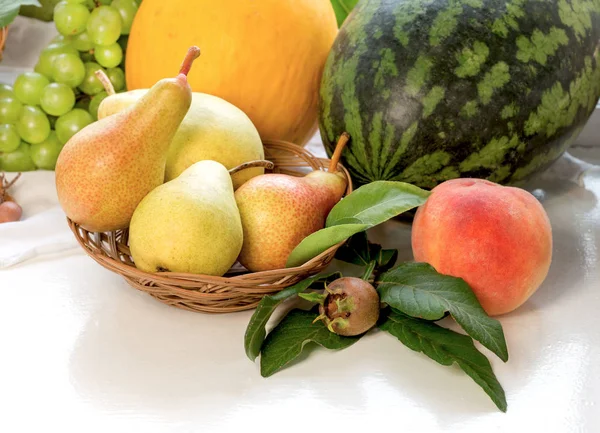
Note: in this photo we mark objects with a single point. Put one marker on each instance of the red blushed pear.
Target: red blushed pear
(278, 211)
(496, 238)
(107, 168)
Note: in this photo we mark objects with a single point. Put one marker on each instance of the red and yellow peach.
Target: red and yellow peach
(497, 238)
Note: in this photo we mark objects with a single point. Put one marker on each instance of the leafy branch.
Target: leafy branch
(414, 296)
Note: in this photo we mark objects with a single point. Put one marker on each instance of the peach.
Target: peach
(497, 238)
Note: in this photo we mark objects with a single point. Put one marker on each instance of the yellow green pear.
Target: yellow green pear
(190, 224)
(212, 129)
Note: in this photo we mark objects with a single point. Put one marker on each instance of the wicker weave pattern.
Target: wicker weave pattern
(236, 291)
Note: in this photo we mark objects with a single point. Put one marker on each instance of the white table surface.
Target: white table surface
(82, 351)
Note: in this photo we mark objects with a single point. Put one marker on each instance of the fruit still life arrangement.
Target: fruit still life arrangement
(197, 188)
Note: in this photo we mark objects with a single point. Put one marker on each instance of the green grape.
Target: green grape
(70, 18)
(10, 110)
(71, 123)
(6, 90)
(45, 154)
(9, 138)
(33, 126)
(95, 104)
(76, 1)
(57, 99)
(43, 68)
(47, 56)
(29, 86)
(91, 84)
(117, 78)
(17, 160)
(82, 42)
(104, 25)
(64, 46)
(108, 56)
(68, 69)
(127, 9)
(59, 38)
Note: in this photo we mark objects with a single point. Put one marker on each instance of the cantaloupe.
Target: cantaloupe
(264, 56)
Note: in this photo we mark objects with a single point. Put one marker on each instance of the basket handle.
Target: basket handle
(252, 164)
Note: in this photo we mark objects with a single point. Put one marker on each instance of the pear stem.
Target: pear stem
(192, 54)
(108, 86)
(252, 164)
(339, 148)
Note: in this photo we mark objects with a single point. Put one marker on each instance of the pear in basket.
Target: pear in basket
(107, 168)
(212, 129)
(190, 224)
(278, 211)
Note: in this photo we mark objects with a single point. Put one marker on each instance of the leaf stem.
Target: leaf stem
(369, 270)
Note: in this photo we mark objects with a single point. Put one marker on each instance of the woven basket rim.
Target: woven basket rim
(187, 278)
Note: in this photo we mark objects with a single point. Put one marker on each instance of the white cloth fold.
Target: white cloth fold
(43, 228)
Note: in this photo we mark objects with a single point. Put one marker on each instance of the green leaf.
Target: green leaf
(255, 332)
(289, 338)
(368, 206)
(9, 9)
(321, 241)
(375, 203)
(446, 347)
(342, 8)
(43, 13)
(418, 290)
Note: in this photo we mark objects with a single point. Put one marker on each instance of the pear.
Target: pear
(107, 168)
(190, 224)
(212, 129)
(278, 211)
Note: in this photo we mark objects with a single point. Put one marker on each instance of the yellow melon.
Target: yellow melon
(264, 56)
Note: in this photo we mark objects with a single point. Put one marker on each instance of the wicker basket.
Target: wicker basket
(236, 291)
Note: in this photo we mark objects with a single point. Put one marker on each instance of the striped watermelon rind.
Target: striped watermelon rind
(432, 90)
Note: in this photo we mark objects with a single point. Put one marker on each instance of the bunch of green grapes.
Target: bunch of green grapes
(46, 107)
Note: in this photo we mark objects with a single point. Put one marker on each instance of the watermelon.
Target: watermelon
(431, 90)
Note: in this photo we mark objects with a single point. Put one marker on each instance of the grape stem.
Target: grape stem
(108, 86)
(5, 185)
(192, 54)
